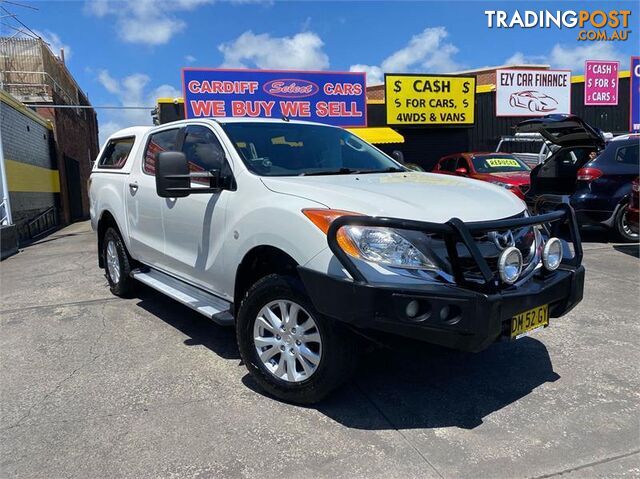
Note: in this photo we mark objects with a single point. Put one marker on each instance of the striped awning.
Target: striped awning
(378, 134)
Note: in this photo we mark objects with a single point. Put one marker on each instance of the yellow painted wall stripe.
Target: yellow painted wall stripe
(23, 177)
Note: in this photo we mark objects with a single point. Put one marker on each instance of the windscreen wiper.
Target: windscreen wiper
(339, 171)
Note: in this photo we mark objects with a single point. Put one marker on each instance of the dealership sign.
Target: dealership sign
(634, 95)
(336, 98)
(429, 99)
(532, 92)
(600, 82)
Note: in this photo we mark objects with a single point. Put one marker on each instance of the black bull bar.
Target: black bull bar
(456, 231)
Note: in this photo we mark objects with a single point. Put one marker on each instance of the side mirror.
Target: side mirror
(461, 171)
(398, 156)
(172, 175)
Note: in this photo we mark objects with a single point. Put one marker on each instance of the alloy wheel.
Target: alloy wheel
(287, 341)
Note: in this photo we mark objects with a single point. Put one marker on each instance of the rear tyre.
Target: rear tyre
(117, 263)
(622, 229)
(293, 353)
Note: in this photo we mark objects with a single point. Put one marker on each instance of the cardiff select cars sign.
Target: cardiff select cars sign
(532, 92)
(429, 99)
(336, 98)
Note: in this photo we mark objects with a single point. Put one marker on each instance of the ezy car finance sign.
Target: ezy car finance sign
(532, 92)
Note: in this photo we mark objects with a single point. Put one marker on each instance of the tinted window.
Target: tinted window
(284, 149)
(159, 142)
(203, 151)
(116, 153)
(628, 154)
(447, 164)
(202, 148)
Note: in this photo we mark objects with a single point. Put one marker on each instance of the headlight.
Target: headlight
(552, 254)
(386, 246)
(510, 265)
(383, 246)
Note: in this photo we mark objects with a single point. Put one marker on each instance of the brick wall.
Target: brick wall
(27, 141)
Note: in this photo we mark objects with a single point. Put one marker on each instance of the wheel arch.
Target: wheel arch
(258, 262)
(107, 219)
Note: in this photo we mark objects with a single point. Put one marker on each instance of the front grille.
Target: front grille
(524, 188)
(523, 238)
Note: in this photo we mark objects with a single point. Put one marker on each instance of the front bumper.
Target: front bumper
(468, 314)
(472, 321)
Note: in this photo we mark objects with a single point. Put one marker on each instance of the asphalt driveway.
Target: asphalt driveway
(93, 386)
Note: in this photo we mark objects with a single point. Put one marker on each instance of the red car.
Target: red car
(501, 169)
(634, 206)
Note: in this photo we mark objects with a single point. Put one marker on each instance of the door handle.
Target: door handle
(133, 187)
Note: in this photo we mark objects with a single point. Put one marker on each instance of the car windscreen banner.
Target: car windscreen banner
(634, 95)
(335, 98)
(601, 83)
(532, 92)
(423, 100)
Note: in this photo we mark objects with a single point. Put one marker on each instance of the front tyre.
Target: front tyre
(117, 263)
(294, 353)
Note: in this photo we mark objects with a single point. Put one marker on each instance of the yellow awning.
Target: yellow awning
(378, 134)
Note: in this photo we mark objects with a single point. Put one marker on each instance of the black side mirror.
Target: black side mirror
(172, 175)
(398, 156)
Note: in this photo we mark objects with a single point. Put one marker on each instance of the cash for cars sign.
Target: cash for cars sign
(600, 83)
(532, 92)
(335, 98)
(429, 99)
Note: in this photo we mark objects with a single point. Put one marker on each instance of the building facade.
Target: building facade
(35, 76)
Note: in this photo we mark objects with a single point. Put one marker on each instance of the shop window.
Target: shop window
(158, 142)
(116, 153)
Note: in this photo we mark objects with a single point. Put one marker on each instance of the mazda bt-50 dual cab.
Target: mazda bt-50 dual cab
(302, 234)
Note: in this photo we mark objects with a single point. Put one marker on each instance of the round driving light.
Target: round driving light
(552, 254)
(510, 265)
(412, 308)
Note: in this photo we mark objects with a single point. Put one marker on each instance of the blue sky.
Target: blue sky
(130, 52)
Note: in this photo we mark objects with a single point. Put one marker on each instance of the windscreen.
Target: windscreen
(288, 149)
(498, 164)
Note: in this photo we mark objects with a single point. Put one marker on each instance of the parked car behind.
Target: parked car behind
(531, 148)
(598, 189)
(498, 168)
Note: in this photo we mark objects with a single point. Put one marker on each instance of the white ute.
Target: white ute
(311, 241)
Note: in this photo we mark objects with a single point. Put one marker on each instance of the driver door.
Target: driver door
(194, 225)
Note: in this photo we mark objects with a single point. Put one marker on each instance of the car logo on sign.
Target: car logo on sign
(502, 240)
(291, 88)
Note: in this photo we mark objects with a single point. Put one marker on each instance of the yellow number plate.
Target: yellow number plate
(522, 324)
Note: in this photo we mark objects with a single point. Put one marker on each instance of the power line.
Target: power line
(19, 4)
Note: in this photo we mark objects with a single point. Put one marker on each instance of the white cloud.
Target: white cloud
(131, 91)
(426, 52)
(190, 58)
(302, 51)
(55, 43)
(146, 22)
(571, 58)
(375, 75)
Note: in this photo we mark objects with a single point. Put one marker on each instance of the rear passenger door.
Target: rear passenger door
(194, 225)
(144, 206)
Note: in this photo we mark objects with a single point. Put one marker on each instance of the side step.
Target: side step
(204, 303)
